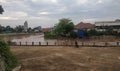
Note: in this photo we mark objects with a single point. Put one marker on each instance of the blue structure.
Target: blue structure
(80, 33)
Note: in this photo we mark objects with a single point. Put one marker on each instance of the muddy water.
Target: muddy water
(25, 38)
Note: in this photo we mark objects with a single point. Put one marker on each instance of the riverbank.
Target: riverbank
(20, 34)
(62, 58)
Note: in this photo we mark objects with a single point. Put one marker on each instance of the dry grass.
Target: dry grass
(58, 58)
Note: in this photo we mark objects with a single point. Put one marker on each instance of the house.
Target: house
(80, 27)
(83, 26)
(46, 29)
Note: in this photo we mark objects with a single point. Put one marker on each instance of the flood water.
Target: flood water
(26, 38)
(39, 39)
(31, 38)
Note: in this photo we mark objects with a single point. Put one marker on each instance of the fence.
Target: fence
(93, 44)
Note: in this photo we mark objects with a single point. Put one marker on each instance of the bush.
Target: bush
(7, 57)
(49, 35)
(73, 34)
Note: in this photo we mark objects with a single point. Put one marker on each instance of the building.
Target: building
(103, 25)
(83, 26)
(46, 29)
(38, 29)
(80, 27)
(25, 26)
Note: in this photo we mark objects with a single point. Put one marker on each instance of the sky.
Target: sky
(46, 13)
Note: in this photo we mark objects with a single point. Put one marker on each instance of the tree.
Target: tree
(19, 29)
(1, 28)
(1, 9)
(6, 57)
(92, 32)
(64, 27)
(8, 29)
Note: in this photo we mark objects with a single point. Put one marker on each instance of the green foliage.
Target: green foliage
(64, 27)
(86, 33)
(10, 61)
(92, 32)
(73, 34)
(6, 29)
(19, 29)
(49, 35)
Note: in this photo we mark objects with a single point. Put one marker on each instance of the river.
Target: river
(25, 38)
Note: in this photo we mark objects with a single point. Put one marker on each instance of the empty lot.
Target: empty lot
(61, 58)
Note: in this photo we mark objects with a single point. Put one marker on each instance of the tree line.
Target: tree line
(17, 29)
(66, 28)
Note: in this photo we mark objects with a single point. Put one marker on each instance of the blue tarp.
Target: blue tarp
(80, 33)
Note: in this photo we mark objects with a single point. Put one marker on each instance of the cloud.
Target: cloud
(17, 14)
(2, 1)
(13, 15)
(54, 1)
(44, 13)
(5, 18)
(100, 1)
(52, 10)
(44, 1)
(82, 1)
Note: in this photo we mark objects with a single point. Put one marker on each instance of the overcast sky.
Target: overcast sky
(46, 13)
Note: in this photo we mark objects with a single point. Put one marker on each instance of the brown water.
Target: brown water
(31, 38)
(25, 38)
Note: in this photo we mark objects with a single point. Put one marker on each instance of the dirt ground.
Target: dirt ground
(61, 58)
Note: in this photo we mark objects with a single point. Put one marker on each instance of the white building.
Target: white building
(101, 26)
(25, 26)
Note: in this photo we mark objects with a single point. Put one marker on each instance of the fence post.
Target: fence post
(82, 44)
(47, 43)
(71, 43)
(26, 43)
(106, 43)
(55, 43)
(61, 43)
(20, 43)
(117, 43)
(32, 43)
(93, 43)
(39, 43)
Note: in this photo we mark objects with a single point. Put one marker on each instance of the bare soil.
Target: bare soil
(61, 58)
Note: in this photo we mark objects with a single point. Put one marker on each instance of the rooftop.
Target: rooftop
(116, 21)
(82, 25)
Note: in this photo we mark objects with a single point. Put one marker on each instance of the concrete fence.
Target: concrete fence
(93, 44)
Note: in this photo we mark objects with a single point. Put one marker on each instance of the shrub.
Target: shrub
(7, 57)
(73, 34)
(49, 35)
